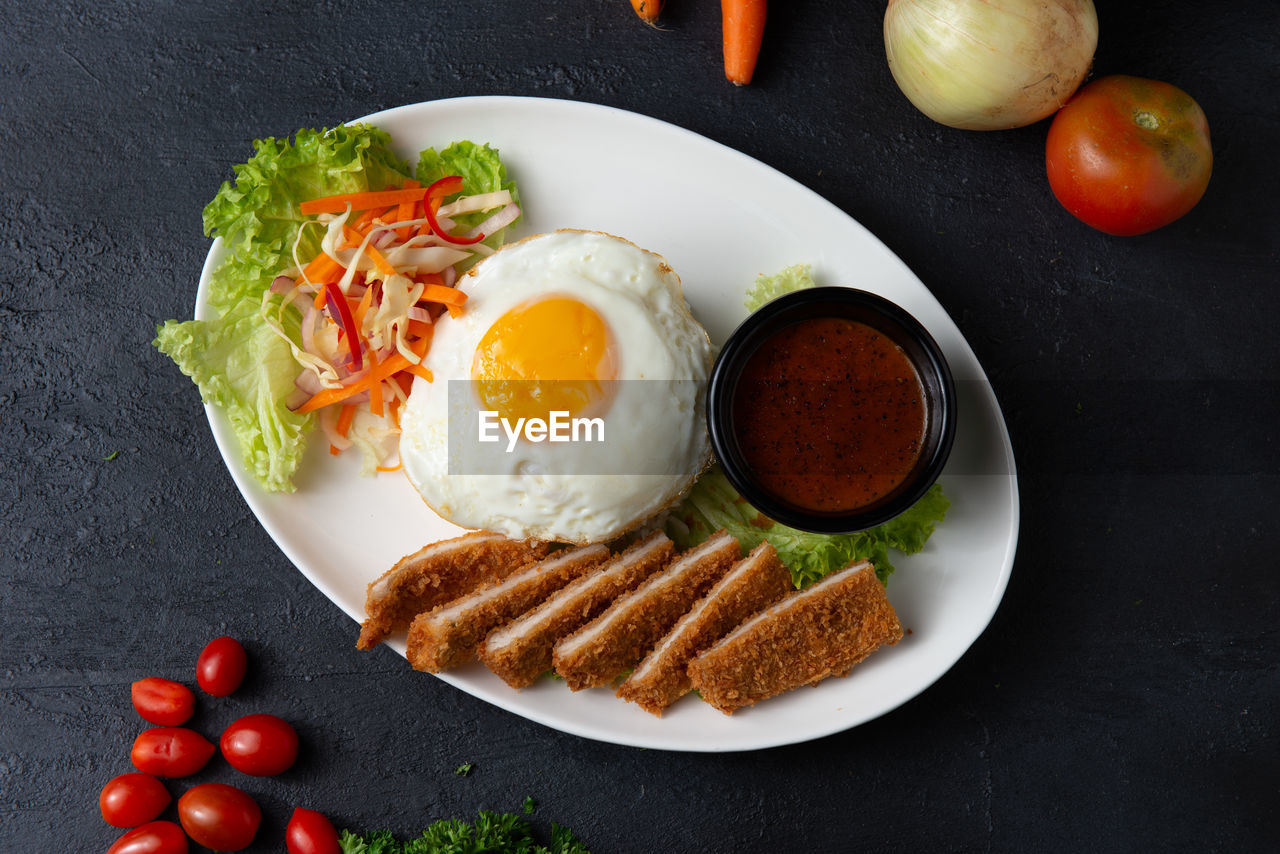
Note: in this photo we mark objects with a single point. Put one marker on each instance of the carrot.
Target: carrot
(361, 201)
(321, 269)
(375, 392)
(405, 211)
(345, 417)
(743, 22)
(648, 10)
(379, 260)
(395, 363)
(419, 371)
(439, 293)
(343, 426)
(362, 307)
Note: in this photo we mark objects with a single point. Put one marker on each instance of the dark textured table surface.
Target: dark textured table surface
(1123, 699)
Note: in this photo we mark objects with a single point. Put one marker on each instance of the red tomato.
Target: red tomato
(260, 745)
(221, 666)
(158, 837)
(309, 832)
(132, 799)
(219, 816)
(1128, 155)
(170, 752)
(162, 701)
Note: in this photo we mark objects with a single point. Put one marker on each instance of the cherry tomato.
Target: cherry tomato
(1128, 155)
(132, 799)
(309, 832)
(221, 666)
(162, 701)
(170, 752)
(158, 837)
(219, 816)
(260, 745)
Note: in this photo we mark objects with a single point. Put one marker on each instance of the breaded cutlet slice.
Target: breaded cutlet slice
(448, 634)
(520, 651)
(820, 631)
(439, 573)
(617, 639)
(753, 584)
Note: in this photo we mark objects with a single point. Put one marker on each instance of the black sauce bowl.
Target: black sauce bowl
(891, 321)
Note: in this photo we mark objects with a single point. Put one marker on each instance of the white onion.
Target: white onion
(989, 64)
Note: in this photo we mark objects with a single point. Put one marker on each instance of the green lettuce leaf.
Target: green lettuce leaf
(482, 171)
(766, 288)
(257, 215)
(236, 360)
(713, 504)
(242, 366)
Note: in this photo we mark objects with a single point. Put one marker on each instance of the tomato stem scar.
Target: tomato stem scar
(1146, 120)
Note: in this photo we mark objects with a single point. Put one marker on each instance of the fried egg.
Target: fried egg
(573, 329)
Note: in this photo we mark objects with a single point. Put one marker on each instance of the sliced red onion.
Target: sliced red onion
(417, 312)
(309, 317)
(297, 397)
(281, 285)
(450, 275)
(307, 381)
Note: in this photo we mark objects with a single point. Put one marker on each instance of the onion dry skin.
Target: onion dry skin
(989, 64)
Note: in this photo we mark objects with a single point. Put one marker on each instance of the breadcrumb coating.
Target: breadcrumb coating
(821, 631)
(439, 573)
(520, 651)
(448, 635)
(754, 583)
(616, 640)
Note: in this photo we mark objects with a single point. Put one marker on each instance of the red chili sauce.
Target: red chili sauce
(829, 414)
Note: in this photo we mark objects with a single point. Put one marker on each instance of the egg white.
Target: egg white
(554, 491)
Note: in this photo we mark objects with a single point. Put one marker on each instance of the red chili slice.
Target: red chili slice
(339, 309)
(435, 193)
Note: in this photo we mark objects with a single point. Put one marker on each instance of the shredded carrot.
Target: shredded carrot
(363, 225)
(379, 260)
(343, 426)
(393, 365)
(362, 307)
(361, 201)
(375, 391)
(439, 293)
(345, 417)
(420, 329)
(419, 371)
(419, 212)
(405, 211)
(321, 269)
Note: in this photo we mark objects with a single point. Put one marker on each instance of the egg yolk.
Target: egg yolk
(552, 355)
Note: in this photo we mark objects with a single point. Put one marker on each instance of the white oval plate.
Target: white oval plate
(720, 218)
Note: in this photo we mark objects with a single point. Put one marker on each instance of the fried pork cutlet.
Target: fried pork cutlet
(448, 635)
(520, 651)
(821, 631)
(439, 573)
(753, 584)
(618, 638)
